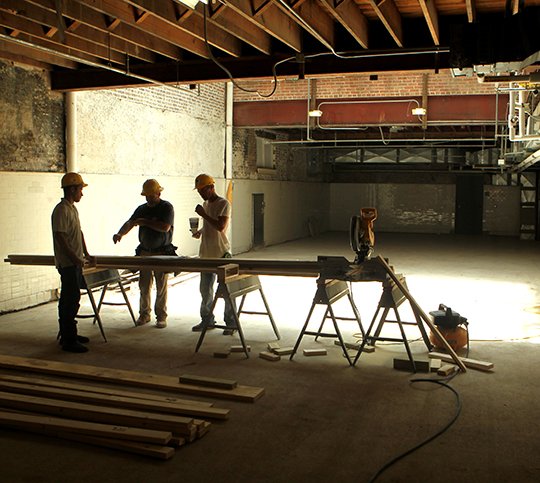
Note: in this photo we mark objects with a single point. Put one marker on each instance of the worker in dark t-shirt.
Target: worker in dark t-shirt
(155, 220)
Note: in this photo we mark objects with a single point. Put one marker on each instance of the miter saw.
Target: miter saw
(361, 234)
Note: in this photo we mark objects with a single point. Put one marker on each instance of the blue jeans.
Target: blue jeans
(206, 288)
(68, 306)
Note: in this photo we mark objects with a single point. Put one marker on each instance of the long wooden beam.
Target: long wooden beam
(179, 264)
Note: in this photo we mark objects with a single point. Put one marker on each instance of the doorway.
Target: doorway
(258, 220)
(469, 204)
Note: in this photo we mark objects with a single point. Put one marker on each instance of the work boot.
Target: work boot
(80, 338)
(228, 332)
(142, 321)
(161, 324)
(76, 347)
(200, 327)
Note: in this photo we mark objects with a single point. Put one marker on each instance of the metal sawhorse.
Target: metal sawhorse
(230, 286)
(100, 280)
(391, 298)
(328, 292)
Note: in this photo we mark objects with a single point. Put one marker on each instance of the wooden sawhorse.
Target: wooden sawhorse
(230, 286)
(99, 280)
(391, 298)
(328, 292)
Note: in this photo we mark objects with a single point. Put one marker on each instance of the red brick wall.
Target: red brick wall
(395, 84)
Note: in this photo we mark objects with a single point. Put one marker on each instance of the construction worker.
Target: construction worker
(70, 255)
(216, 213)
(155, 220)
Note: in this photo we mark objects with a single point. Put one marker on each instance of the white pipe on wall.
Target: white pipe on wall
(71, 132)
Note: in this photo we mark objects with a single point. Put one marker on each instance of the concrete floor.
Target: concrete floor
(321, 420)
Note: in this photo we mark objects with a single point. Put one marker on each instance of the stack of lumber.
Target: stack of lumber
(150, 424)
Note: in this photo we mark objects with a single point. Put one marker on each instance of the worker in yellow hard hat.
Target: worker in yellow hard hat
(216, 214)
(70, 254)
(155, 220)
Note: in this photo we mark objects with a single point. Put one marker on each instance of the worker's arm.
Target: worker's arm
(157, 225)
(220, 224)
(124, 230)
(60, 237)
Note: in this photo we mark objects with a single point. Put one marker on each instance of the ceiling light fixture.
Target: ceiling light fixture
(419, 111)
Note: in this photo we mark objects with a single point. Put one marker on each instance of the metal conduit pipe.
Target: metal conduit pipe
(383, 101)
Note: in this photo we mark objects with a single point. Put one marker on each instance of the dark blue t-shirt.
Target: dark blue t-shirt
(149, 238)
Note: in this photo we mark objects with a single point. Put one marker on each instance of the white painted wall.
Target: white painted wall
(288, 208)
(123, 135)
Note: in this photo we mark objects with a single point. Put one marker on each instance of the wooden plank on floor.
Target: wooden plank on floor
(207, 381)
(472, 363)
(88, 412)
(113, 401)
(103, 390)
(153, 451)
(118, 376)
(25, 421)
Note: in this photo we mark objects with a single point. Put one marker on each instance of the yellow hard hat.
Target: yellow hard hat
(203, 180)
(72, 179)
(151, 187)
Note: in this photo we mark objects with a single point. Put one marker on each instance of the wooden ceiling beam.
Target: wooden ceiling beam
(470, 5)
(432, 19)
(237, 26)
(139, 38)
(349, 16)
(312, 17)
(152, 25)
(389, 15)
(47, 17)
(36, 31)
(273, 21)
(31, 56)
(165, 11)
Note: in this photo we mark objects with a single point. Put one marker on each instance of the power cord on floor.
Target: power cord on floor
(443, 383)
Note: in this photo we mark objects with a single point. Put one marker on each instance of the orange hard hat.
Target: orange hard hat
(151, 187)
(203, 180)
(72, 179)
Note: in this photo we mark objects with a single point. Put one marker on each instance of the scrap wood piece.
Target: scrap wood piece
(88, 412)
(29, 422)
(202, 427)
(103, 390)
(240, 348)
(273, 346)
(113, 401)
(177, 441)
(118, 376)
(283, 351)
(434, 365)
(472, 363)
(447, 370)
(315, 352)
(208, 381)
(159, 452)
(418, 310)
(269, 356)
